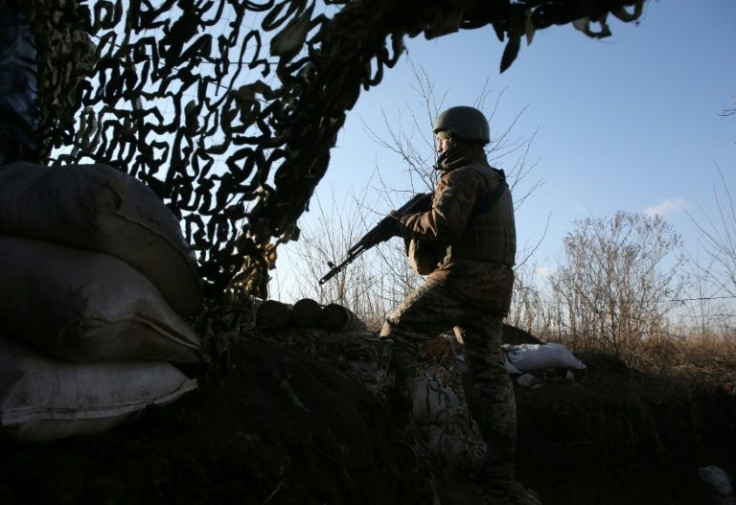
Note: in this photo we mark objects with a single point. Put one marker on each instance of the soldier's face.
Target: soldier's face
(443, 144)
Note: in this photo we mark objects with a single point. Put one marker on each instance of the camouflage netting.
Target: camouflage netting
(228, 109)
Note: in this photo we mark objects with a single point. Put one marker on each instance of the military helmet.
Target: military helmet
(467, 123)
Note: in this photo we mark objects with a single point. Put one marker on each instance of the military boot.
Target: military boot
(397, 390)
(495, 470)
(400, 408)
(398, 396)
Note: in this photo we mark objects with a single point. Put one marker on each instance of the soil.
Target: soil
(277, 419)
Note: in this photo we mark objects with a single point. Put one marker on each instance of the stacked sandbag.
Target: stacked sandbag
(95, 277)
(84, 306)
(44, 399)
(101, 209)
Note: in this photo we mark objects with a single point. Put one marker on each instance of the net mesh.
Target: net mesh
(228, 109)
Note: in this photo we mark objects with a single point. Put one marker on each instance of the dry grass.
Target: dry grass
(704, 361)
(708, 361)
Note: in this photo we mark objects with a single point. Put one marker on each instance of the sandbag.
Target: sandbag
(82, 306)
(99, 208)
(44, 399)
(441, 414)
(434, 402)
(534, 357)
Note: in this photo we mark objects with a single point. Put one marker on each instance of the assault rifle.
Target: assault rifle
(383, 231)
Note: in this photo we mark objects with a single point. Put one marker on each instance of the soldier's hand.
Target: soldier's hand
(395, 224)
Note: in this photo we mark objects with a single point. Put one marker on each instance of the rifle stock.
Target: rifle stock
(381, 232)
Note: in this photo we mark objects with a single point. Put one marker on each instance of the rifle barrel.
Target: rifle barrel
(336, 269)
(377, 234)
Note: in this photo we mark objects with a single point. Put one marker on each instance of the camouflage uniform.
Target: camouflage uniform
(469, 292)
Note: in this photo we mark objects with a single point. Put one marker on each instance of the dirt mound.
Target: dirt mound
(275, 426)
(280, 421)
(613, 436)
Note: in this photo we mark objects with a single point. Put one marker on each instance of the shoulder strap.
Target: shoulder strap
(485, 204)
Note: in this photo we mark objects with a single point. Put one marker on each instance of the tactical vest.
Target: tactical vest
(490, 234)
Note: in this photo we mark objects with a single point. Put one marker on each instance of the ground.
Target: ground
(278, 420)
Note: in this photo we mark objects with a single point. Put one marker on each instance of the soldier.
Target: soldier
(471, 225)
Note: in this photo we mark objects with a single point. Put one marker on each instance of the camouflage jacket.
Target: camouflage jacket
(479, 245)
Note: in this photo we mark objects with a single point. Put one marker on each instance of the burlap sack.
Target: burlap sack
(82, 306)
(44, 399)
(99, 208)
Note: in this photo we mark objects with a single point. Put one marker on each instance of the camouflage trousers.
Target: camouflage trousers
(431, 310)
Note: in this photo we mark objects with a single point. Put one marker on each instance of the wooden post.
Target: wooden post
(273, 315)
(306, 312)
(335, 317)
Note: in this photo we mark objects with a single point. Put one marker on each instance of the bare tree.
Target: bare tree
(618, 272)
(528, 303)
(719, 238)
(371, 285)
(703, 313)
(414, 144)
